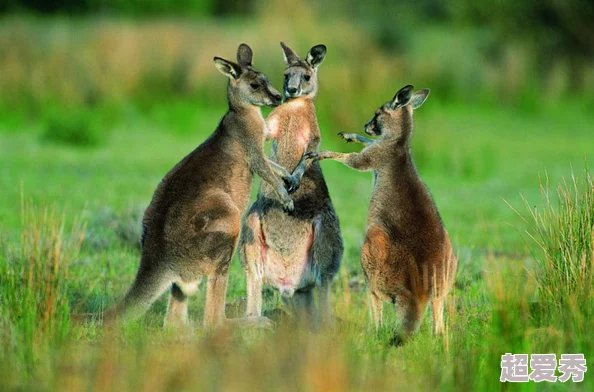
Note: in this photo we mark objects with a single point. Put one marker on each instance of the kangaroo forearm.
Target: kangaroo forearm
(278, 169)
(259, 165)
(358, 161)
(358, 138)
(302, 167)
(305, 163)
(353, 137)
(267, 174)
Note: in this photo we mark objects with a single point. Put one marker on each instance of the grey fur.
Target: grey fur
(191, 227)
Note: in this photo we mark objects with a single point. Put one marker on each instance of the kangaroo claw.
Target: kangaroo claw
(289, 206)
(343, 135)
(313, 156)
(291, 184)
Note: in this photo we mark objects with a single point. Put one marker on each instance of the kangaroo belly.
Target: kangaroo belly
(288, 276)
(287, 262)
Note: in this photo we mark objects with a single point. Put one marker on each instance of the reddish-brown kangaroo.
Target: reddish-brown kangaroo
(296, 252)
(191, 227)
(407, 257)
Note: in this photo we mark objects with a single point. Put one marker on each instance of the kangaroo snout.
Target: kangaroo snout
(275, 98)
(370, 130)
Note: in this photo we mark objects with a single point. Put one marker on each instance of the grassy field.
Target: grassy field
(57, 199)
(94, 111)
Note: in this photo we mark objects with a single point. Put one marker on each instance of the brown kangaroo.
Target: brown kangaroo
(191, 226)
(294, 252)
(407, 257)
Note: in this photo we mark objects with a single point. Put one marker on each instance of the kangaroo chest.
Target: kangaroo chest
(290, 145)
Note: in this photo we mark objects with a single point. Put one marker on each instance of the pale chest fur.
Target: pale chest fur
(293, 122)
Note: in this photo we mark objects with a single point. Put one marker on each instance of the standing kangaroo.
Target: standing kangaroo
(191, 226)
(296, 252)
(407, 257)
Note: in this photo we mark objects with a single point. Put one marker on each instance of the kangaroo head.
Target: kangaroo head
(301, 76)
(247, 86)
(394, 119)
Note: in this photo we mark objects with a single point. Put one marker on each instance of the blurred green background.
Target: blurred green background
(93, 92)
(100, 98)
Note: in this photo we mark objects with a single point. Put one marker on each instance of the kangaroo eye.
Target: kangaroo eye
(254, 86)
(306, 77)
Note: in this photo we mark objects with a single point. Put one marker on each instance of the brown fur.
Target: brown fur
(407, 256)
(300, 251)
(192, 225)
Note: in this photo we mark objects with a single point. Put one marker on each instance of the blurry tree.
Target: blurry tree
(392, 21)
(557, 30)
(233, 7)
(127, 7)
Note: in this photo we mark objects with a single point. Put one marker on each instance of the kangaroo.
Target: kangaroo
(407, 256)
(192, 224)
(297, 252)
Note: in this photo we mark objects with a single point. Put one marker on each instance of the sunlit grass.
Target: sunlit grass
(564, 233)
(516, 305)
(34, 311)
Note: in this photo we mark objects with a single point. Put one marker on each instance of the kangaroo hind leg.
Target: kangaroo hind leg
(302, 306)
(374, 258)
(177, 310)
(376, 307)
(251, 249)
(325, 256)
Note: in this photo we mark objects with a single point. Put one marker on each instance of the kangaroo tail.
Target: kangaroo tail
(147, 287)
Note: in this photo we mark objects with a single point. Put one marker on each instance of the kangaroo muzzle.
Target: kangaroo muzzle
(275, 97)
(292, 88)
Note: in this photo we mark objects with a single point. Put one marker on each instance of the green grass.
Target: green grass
(473, 159)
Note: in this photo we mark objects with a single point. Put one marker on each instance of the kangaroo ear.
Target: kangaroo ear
(244, 55)
(316, 55)
(402, 97)
(227, 67)
(290, 56)
(419, 97)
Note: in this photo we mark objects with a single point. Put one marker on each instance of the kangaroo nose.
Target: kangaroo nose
(292, 90)
(278, 97)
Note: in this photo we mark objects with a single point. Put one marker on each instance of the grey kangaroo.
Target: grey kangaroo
(191, 226)
(407, 257)
(294, 252)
